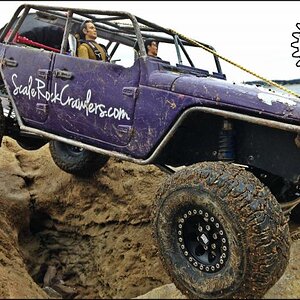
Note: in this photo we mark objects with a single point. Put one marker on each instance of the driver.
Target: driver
(88, 47)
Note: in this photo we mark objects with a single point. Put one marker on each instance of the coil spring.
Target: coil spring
(226, 142)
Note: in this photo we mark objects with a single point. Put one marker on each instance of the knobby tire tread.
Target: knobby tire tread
(244, 193)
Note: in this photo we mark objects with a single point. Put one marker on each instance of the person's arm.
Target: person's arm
(83, 52)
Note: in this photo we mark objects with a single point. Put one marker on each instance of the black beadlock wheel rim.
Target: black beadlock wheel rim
(203, 240)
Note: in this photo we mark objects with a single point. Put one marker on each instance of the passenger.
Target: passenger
(88, 47)
(151, 46)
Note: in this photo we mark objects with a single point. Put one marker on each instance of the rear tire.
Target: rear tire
(30, 144)
(76, 161)
(220, 232)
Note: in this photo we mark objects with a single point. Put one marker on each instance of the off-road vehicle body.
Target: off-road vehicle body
(218, 221)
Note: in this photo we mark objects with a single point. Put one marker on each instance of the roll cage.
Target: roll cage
(117, 27)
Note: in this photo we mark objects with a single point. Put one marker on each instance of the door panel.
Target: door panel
(95, 100)
(26, 72)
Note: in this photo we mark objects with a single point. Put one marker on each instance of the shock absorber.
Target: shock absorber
(226, 142)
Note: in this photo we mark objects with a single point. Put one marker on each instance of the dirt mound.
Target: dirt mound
(94, 233)
(65, 237)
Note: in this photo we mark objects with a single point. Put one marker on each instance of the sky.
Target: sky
(254, 34)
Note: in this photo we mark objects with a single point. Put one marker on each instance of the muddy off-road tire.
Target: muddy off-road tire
(220, 232)
(76, 161)
(31, 144)
(2, 123)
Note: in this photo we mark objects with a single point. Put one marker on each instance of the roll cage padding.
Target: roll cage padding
(50, 36)
(26, 41)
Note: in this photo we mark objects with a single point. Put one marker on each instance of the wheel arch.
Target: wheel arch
(258, 143)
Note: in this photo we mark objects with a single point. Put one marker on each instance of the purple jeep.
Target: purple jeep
(232, 150)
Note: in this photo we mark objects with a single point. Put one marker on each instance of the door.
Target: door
(95, 100)
(26, 71)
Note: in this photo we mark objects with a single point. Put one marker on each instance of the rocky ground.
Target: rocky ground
(65, 237)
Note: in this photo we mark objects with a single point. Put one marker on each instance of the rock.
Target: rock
(167, 291)
(49, 276)
(66, 291)
(52, 293)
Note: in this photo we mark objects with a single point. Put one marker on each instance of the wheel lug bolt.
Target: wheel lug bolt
(223, 255)
(221, 232)
(206, 215)
(194, 211)
(179, 232)
(185, 216)
(201, 267)
(221, 261)
(212, 219)
(195, 264)
(223, 240)
(200, 228)
(217, 266)
(200, 212)
(217, 225)
(207, 227)
(212, 268)
(213, 246)
(205, 247)
(224, 248)
(185, 253)
(182, 247)
(180, 225)
(190, 259)
(189, 212)
(215, 236)
(207, 268)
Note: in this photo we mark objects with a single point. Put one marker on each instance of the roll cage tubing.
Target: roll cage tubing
(127, 35)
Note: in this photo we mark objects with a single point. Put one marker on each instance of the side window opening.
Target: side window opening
(38, 32)
(121, 54)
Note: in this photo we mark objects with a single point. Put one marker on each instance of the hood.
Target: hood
(231, 96)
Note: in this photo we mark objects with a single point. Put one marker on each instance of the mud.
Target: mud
(63, 237)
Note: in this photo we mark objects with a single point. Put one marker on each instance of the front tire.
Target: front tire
(220, 232)
(75, 160)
